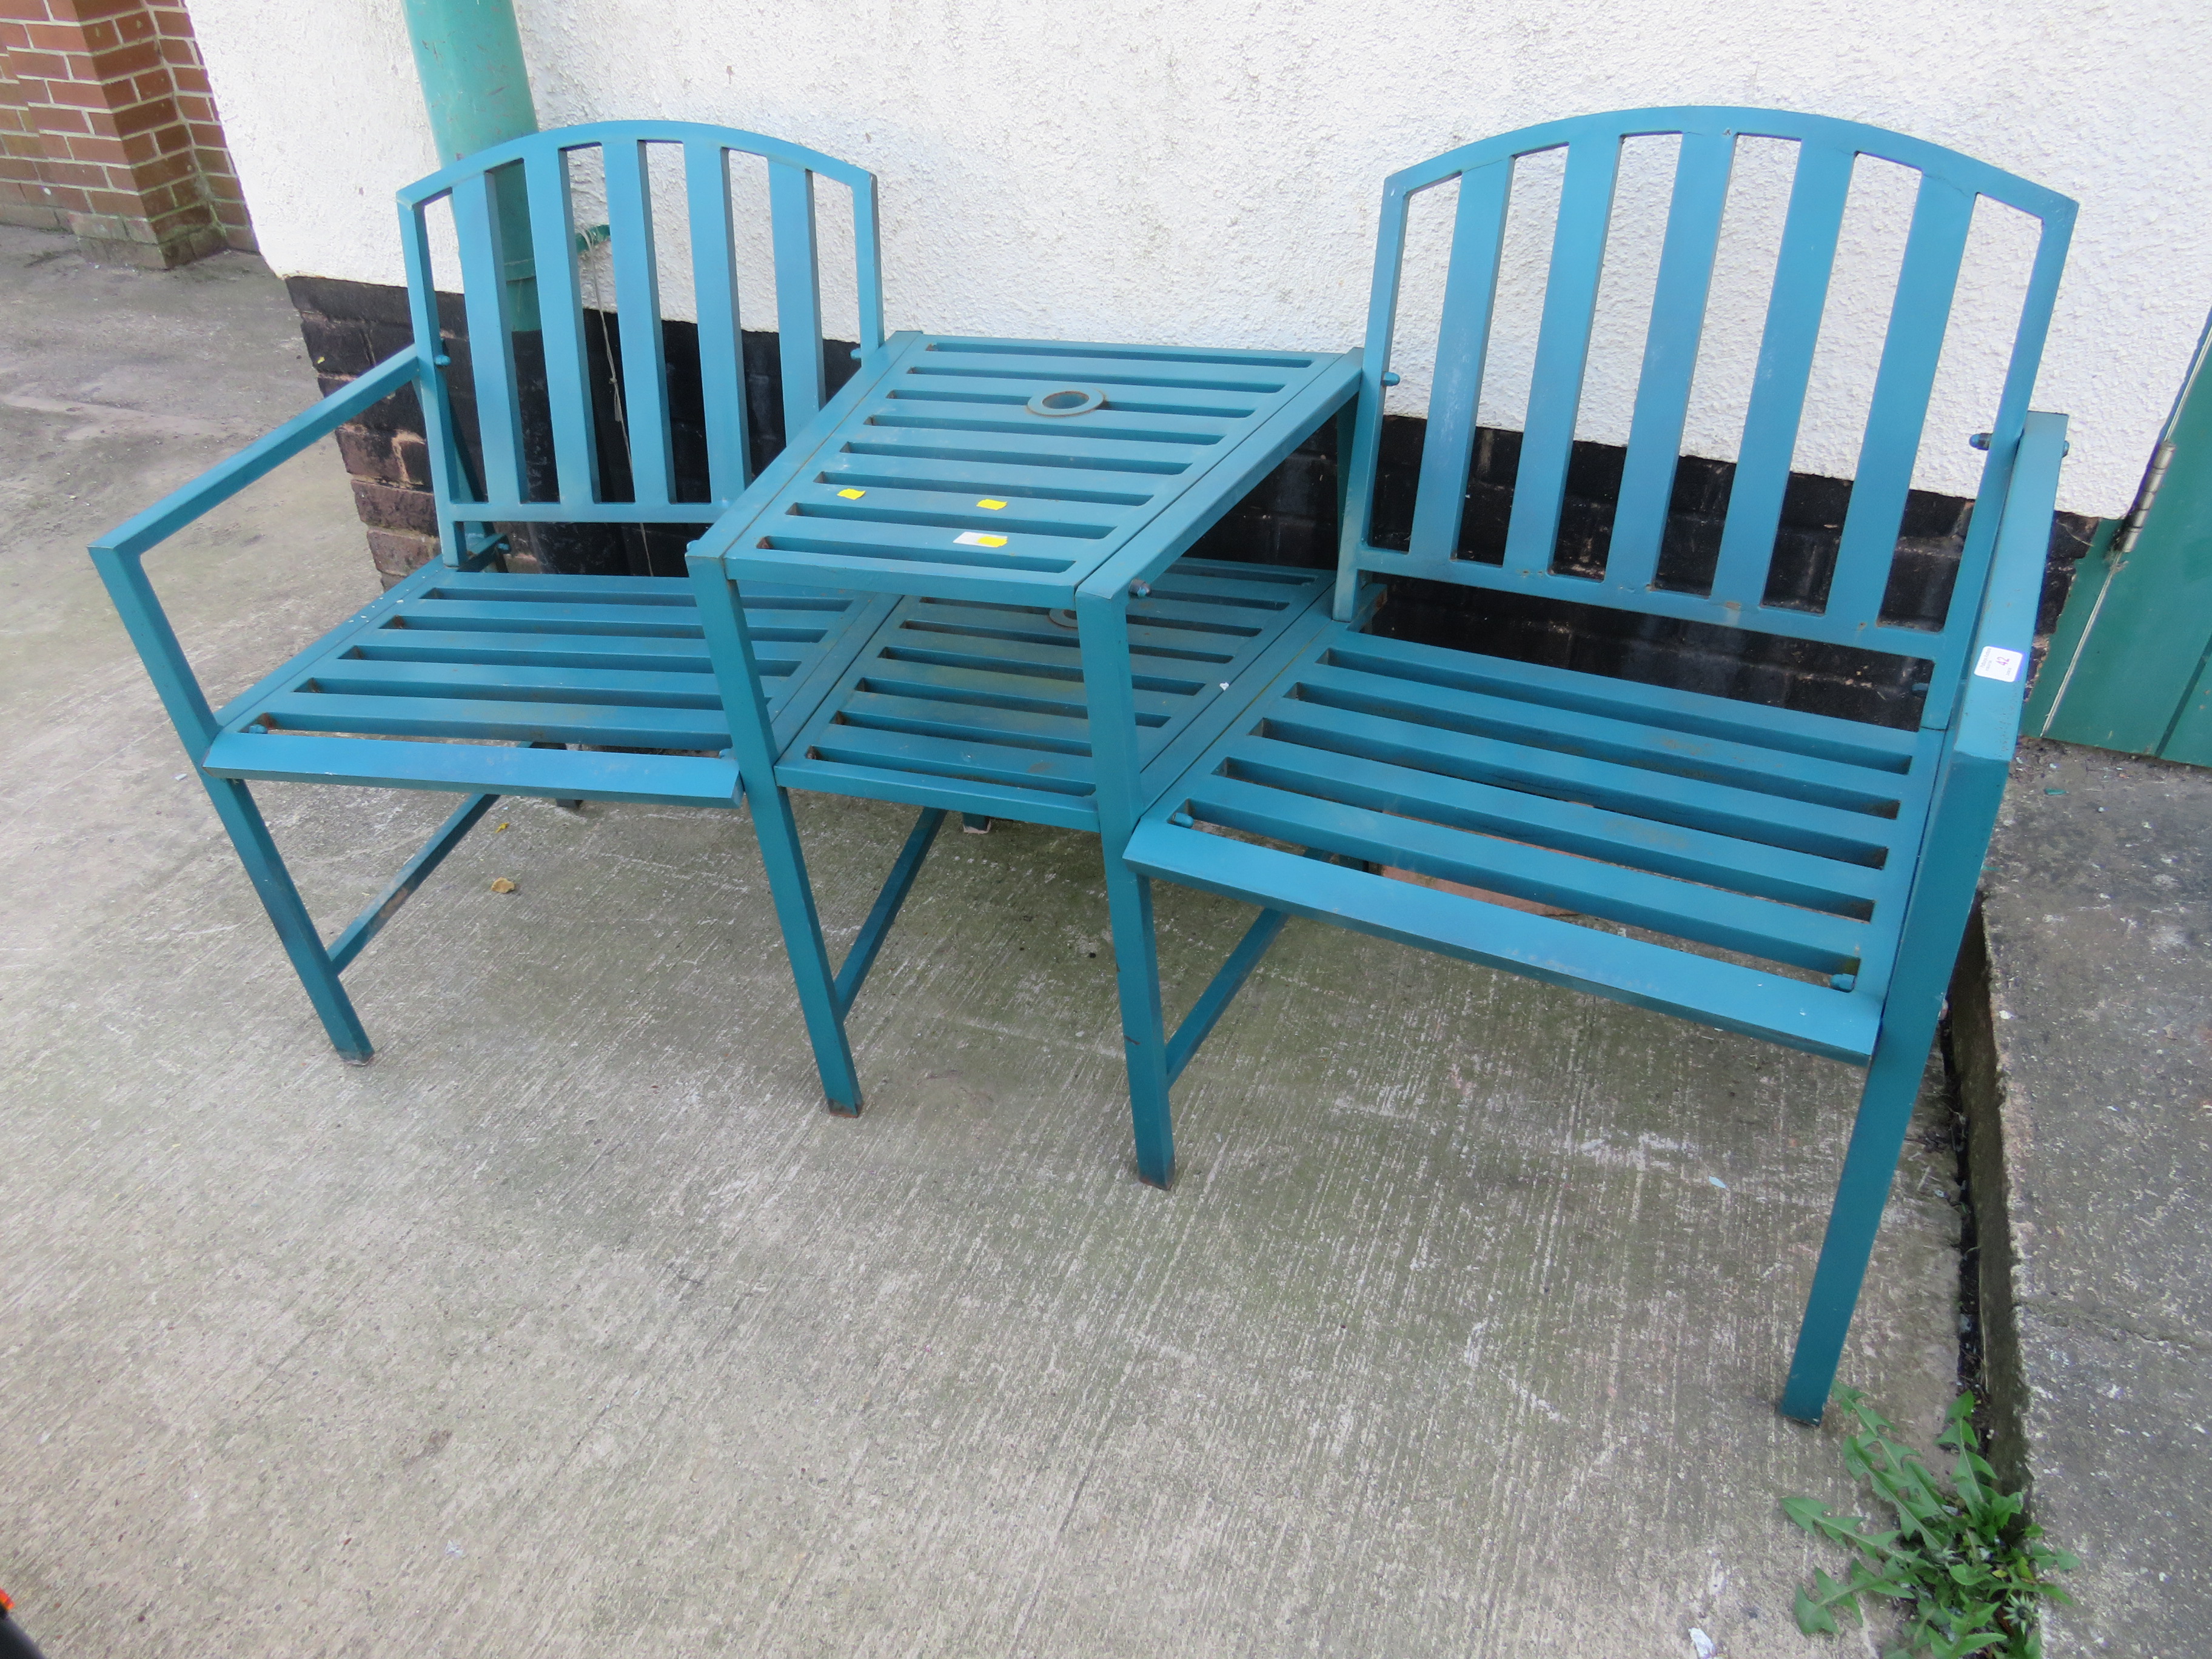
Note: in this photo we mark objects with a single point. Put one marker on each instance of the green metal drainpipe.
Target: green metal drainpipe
(469, 56)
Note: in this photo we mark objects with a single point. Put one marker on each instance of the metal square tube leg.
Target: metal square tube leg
(1102, 628)
(264, 867)
(752, 742)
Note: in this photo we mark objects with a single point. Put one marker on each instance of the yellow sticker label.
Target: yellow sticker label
(977, 538)
(852, 495)
(988, 501)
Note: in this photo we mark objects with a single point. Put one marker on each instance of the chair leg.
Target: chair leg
(264, 867)
(1144, 1032)
(1885, 1113)
(803, 943)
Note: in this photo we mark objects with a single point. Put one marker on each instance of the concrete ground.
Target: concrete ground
(574, 1325)
(2089, 1064)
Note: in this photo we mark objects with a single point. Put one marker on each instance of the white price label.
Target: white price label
(1995, 663)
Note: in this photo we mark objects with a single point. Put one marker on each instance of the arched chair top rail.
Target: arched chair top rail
(587, 134)
(1724, 120)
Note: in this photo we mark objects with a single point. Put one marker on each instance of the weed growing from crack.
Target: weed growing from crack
(1971, 1570)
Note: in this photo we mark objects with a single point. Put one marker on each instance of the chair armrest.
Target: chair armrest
(1987, 723)
(118, 555)
(226, 478)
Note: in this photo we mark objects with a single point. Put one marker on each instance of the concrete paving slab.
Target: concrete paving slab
(574, 1324)
(2088, 1057)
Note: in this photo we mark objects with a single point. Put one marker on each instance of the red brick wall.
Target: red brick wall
(107, 129)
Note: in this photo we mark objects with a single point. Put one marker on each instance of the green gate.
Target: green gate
(2128, 668)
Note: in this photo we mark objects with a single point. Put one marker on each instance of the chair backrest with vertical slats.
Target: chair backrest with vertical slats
(536, 170)
(1920, 312)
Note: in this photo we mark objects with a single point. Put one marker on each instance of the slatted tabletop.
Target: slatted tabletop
(947, 472)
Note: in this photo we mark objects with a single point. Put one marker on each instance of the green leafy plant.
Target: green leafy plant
(1973, 1571)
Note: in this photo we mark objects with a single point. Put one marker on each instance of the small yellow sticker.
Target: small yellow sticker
(852, 495)
(977, 538)
(993, 505)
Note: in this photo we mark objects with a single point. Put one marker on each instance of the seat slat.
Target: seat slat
(966, 722)
(1785, 363)
(644, 652)
(1853, 742)
(504, 722)
(1838, 1024)
(722, 342)
(1898, 412)
(1764, 771)
(548, 773)
(493, 615)
(1178, 644)
(644, 387)
(982, 687)
(1733, 921)
(1555, 393)
(1629, 839)
(1670, 357)
(1828, 832)
(946, 757)
(522, 682)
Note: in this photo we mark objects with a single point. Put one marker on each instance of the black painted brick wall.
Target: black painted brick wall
(1290, 519)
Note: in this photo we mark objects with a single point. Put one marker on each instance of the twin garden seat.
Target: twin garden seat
(967, 586)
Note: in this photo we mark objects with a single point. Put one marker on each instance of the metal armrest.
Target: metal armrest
(226, 478)
(118, 555)
(1987, 721)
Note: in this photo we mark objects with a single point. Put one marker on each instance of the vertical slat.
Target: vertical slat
(721, 345)
(449, 478)
(491, 344)
(561, 309)
(798, 293)
(1998, 470)
(1357, 462)
(1898, 412)
(868, 262)
(1670, 357)
(1785, 361)
(1562, 351)
(1462, 344)
(637, 301)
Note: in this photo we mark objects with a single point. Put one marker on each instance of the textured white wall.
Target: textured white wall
(1206, 172)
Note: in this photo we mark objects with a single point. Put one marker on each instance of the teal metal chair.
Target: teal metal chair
(467, 678)
(1796, 878)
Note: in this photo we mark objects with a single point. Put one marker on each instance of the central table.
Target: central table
(1053, 655)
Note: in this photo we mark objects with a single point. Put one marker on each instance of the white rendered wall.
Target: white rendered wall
(1206, 174)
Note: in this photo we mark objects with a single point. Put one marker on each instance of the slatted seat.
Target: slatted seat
(1788, 842)
(1802, 879)
(468, 676)
(604, 661)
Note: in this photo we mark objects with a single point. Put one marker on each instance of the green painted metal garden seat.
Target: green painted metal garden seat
(1801, 879)
(473, 678)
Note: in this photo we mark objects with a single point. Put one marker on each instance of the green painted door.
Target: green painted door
(2127, 665)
